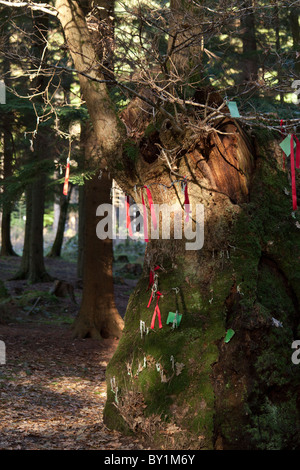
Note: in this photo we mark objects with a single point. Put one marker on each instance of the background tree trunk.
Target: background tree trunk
(6, 246)
(23, 271)
(277, 47)
(80, 232)
(109, 130)
(81, 207)
(32, 265)
(294, 21)
(250, 69)
(37, 271)
(59, 237)
(98, 316)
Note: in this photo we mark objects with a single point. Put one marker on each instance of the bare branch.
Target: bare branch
(44, 7)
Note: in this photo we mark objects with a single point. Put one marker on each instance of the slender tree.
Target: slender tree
(7, 123)
(55, 251)
(250, 69)
(32, 265)
(295, 29)
(98, 316)
(6, 245)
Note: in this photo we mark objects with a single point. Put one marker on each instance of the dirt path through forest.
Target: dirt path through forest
(53, 391)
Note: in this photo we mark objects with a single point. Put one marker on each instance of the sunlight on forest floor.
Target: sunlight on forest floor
(52, 388)
(53, 391)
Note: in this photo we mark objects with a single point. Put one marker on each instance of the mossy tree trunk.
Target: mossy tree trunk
(220, 395)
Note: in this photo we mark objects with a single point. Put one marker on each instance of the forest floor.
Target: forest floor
(52, 387)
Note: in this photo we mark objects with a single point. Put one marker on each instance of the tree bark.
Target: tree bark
(109, 130)
(277, 47)
(98, 315)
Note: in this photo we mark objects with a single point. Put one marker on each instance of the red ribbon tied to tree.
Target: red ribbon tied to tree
(156, 311)
(145, 220)
(152, 212)
(293, 175)
(186, 201)
(128, 221)
(66, 183)
(297, 152)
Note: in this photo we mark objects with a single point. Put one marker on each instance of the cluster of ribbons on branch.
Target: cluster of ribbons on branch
(183, 182)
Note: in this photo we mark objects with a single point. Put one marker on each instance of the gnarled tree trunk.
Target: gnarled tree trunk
(188, 387)
(192, 387)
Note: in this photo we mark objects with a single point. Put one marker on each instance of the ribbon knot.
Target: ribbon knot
(151, 276)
